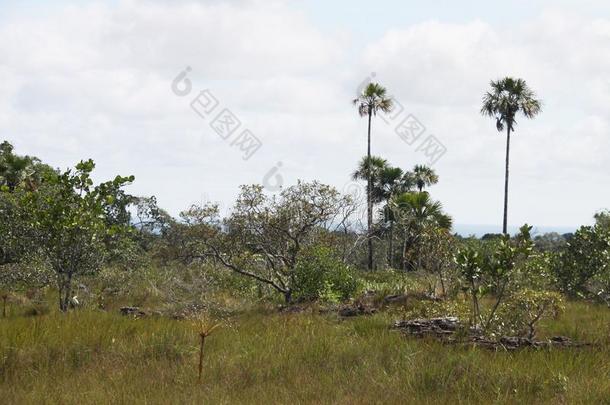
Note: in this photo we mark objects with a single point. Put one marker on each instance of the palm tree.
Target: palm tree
(391, 181)
(373, 167)
(18, 170)
(507, 98)
(416, 212)
(424, 176)
(372, 100)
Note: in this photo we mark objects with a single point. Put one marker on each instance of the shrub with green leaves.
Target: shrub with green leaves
(514, 279)
(584, 263)
(320, 275)
(526, 308)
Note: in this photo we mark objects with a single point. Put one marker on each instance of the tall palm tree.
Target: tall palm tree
(424, 176)
(507, 98)
(372, 100)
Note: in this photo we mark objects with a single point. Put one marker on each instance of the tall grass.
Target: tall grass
(88, 357)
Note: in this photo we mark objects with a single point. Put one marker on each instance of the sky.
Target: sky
(101, 80)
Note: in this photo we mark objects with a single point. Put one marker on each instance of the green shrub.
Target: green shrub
(525, 309)
(584, 262)
(319, 274)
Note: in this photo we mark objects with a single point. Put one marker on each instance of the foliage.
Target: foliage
(423, 176)
(436, 259)
(13, 228)
(513, 276)
(585, 258)
(550, 242)
(75, 226)
(526, 308)
(16, 171)
(263, 236)
(319, 274)
(415, 213)
(509, 96)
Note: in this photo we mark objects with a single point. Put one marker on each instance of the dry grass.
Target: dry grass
(91, 357)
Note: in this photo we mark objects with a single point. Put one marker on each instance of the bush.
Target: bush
(514, 277)
(525, 309)
(584, 263)
(319, 274)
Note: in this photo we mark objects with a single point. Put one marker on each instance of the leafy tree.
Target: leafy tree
(513, 278)
(13, 229)
(75, 224)
(507, 98)
(550, 242)
(372, 100)
(583, 259)
(436, 258)
(263, 237)
(423, 176)
(526, 308)
(602, 219)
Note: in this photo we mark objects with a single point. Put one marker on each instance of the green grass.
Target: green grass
(88, 357)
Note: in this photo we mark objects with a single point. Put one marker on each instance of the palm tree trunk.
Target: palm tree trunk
(391, 244)
(505, 220)
(369, 196)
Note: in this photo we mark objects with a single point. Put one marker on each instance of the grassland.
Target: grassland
(261, 356)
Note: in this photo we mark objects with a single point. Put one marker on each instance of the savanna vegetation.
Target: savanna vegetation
(107, 298)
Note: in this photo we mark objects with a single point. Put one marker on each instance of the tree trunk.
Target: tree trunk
(403, 251)
(369, 196)
(65, 289)
(288, 296)
(4, 299)
(60, 290)
(391, 244)
(505, 220)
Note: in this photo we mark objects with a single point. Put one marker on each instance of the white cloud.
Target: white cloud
(440, 72)
(93, 81)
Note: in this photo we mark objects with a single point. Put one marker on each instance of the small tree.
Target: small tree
(437, 258)
(585, 258)
(74, 224)
(263, 237)
(497, 269)
(527, 307)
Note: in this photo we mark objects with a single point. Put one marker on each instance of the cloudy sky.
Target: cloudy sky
(94, 80)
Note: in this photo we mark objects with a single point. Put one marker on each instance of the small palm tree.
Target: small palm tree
(507, 98)
(372, 166)
(392, 181)
(372, 100)
(424, 176)
(18, 170)
(416, 212)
